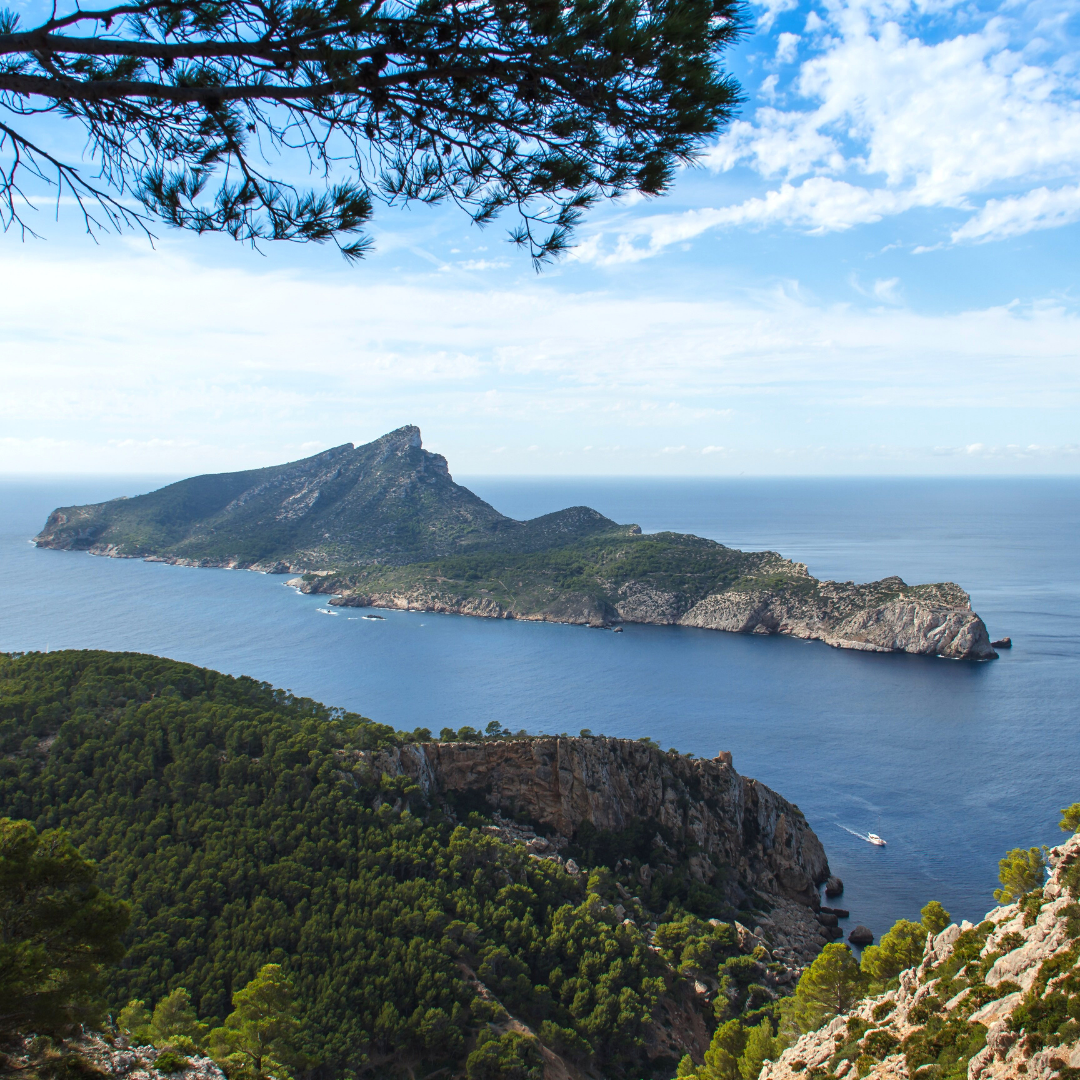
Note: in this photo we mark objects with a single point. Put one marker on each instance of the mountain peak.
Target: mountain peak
(386, 501)
(407, 437)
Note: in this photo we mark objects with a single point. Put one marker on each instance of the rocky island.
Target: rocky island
(385, 525)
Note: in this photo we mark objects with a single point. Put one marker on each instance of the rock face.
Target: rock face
(112, 1057)
(882, 616)
(1006, 992)
(742, 832)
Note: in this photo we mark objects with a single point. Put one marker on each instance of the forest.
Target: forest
(227, 816)
(187, 857)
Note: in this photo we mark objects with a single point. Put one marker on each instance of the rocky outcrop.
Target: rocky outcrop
(737, 831)
(110, 1057)
(882, 616)
(1003, 995)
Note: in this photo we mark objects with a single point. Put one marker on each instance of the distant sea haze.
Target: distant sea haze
(952, 762)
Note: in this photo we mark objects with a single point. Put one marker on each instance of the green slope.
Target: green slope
(592, 575)
(237, 821)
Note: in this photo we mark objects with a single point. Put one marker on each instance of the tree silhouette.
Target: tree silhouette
(190, 105)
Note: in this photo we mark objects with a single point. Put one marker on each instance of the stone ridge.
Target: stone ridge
(762, 840)
(1023, 954)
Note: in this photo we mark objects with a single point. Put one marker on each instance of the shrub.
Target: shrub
(830, 985)
(934, 917)
(1020, 872)
(170, 1062)
(509, 1056)
(900, 948)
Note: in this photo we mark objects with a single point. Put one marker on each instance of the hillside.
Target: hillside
(607, 901)
(997, 1001)
(387, 501)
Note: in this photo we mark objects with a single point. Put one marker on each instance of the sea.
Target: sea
(952, 762)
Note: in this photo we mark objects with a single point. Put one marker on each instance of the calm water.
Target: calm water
(951, 762)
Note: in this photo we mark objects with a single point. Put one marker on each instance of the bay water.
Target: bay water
(952, 762)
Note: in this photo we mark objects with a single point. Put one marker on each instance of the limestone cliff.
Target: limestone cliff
(736, 830)
(1003, 996)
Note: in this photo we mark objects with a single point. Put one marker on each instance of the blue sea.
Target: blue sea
(952, 762)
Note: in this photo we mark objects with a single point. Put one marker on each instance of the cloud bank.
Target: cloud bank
(205, 369)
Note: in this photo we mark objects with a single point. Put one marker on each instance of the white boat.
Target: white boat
(875, 839)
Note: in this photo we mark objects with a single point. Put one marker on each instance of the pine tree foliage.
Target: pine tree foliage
(56, 929)
(1021, 871)
(828, 987)
(243, 828)
(173, 1025)
(196, 108)
(934, 917)
(258, 1039)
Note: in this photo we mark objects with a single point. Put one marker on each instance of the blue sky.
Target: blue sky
(874, 271)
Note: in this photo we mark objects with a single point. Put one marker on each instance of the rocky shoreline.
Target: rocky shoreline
(881, 616)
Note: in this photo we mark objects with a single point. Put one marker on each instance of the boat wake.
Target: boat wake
(870, 838)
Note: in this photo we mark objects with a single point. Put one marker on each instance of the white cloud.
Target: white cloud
(787, 48)
(1042, 208)
(817, 205)
(265, 367)
(889, 122)
(770, 9)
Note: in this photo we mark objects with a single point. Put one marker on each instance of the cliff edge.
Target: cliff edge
(736, 833)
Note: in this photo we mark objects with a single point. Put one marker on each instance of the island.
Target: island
(385, 525)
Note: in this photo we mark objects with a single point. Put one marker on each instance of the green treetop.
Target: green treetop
(56, 929)
(173, 1025)
(256, 1040)
(934, 917)
(903, 946)
(1070, 818)
(1020, 872)
(829, 986)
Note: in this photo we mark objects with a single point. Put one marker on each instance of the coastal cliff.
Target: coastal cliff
(725, 830)
(881, 616)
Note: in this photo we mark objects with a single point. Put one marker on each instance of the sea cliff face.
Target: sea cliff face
(737, 828)
(883, 616)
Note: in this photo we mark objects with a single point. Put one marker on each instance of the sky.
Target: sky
(874, 271)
